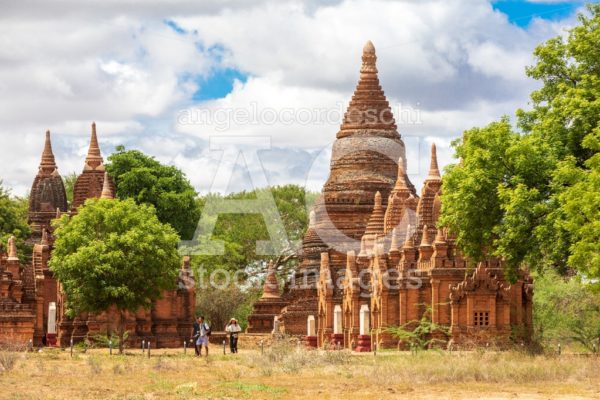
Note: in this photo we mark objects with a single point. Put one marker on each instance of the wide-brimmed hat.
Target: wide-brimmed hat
(233, 319)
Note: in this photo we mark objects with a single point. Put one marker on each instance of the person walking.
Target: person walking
(201, 334)
(196, 335)
(233, 328)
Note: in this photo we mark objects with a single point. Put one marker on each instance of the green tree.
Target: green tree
(239, 233)
(69, 182)
(114, 254)
(533, 197)
(420, 334)
(579, 318)
(13, 221)
(144, 179)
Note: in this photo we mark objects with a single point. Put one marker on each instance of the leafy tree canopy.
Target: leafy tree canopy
(144, 179)
(114, 253)
(13, 221)
(240, 232)
(534, 197)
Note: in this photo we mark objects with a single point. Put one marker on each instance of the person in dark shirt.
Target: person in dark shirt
(195, 335)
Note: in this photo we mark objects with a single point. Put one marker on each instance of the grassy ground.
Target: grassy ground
(287, 372)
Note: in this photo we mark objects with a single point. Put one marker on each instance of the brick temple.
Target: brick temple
(374, 256)
(32, 305)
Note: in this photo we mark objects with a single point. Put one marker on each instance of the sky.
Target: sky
(180, 79)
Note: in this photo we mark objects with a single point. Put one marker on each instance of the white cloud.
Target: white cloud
(460, 64)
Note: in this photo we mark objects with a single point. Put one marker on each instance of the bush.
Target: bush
(8, 360)
(219, 305)
(105, 341)
(566, 310)
(95, 367)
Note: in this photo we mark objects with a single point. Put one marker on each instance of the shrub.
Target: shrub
(8, 360)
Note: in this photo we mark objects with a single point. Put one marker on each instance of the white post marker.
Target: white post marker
(337, 319)
(365, 326)
(310, 326)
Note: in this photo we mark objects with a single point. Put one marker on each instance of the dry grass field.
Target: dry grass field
(288, 372)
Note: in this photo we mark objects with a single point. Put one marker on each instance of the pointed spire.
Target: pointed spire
(48, 163)
(94, 157)
(394, 245)
(368, 100)
(401, 181)
(312, 219)
(107, 192)
(439, 237)
(376, 221)
(12, 248)
(44, 241)
(434, 172)
(363, 249)
(425, 239)
(271, 286)
(408, 241)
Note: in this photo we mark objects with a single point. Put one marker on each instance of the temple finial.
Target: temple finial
(394, 244)
(271, 286)
(425, 239)
(12, 248)
(369, 59)
(312, 219)
(408, 241)
(439, 236)
(376, 221)
(107, 192)
(48, 163)
(434, 172)
(44, 241)
(401, 181)
(94, 157)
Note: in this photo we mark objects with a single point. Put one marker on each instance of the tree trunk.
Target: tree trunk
(121, 330)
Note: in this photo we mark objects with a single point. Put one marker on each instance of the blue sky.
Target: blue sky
(521, 12)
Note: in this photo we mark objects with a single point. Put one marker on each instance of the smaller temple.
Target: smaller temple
(47, 193)
(32, 304)
(168, 323)
(268, 306)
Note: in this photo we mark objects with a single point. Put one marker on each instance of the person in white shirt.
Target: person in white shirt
(233, 328)
(201, 334)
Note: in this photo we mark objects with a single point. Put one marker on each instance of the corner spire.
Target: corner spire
(425, 239)
(48, 163)
(394, 244)
(271, 286)
(376, 221)
(439, 237)
(107, 192)
(408, 241)
(94, 157)
(401, 183)
(434, 172)
(12, 248)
